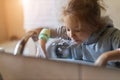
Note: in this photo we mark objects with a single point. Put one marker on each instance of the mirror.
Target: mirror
(18, 18)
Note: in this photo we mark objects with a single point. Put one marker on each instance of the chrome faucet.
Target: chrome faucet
(21, 44)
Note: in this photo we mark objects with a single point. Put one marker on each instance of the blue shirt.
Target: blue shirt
(106, 39)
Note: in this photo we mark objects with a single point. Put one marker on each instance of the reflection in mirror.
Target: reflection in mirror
(24, 23)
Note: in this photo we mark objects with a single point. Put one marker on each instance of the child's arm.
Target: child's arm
(46, 33)
(43, 37)
(108, 56)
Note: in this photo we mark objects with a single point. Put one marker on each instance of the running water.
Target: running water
(63, 47)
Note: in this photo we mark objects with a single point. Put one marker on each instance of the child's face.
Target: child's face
(75, 31)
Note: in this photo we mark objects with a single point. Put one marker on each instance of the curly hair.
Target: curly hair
(86, 11)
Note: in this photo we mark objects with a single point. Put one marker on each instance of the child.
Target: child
(84, 25)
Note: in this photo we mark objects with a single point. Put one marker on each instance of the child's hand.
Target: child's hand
(102, 60)
(107, 56)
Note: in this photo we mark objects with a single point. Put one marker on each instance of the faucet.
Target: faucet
(21, 44)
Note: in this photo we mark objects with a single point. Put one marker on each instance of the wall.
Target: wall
(39, 13)
(113, 9)
(3, 30)
(11, 19)
(14, 18)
